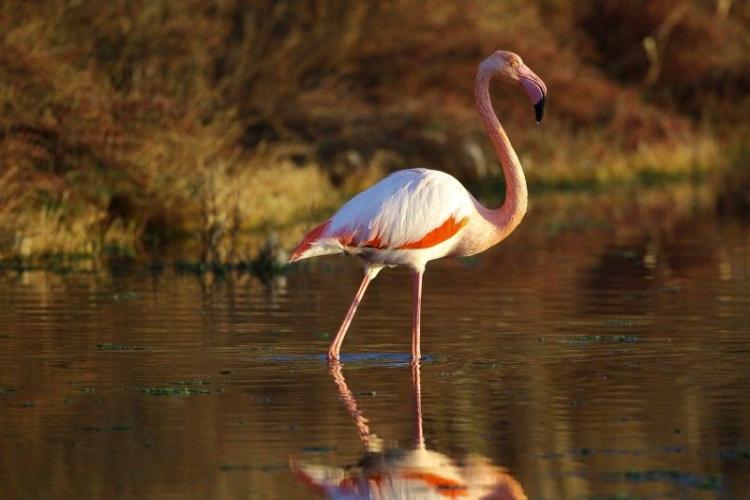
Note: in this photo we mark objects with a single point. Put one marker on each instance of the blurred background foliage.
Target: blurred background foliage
(129, 125)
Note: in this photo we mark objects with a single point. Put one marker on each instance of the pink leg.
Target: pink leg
(370, 273)
(416, 316)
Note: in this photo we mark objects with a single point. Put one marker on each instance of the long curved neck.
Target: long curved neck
(509, 215)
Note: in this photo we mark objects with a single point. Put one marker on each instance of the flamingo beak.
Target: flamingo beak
(535, 88)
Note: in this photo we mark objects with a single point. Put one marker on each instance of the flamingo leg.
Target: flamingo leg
(416, 315)
(370, 273)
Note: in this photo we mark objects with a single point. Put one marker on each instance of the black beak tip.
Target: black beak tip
(539, 109)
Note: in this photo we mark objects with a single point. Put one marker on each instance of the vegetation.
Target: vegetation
(127, 126)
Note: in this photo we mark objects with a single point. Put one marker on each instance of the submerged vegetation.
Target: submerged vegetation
(130, 126)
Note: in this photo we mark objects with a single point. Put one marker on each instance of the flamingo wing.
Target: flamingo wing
(409, 209)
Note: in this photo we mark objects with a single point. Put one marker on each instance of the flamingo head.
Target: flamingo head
(510, 65)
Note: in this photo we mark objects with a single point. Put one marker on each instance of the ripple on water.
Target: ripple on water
(593, 365)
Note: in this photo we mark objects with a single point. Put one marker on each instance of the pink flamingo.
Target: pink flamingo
(414, 216)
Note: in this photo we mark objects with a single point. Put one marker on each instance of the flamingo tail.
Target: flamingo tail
(315, 243)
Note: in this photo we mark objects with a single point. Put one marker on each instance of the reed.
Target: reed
(129, 127)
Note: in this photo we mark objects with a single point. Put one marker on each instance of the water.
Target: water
(590, 356)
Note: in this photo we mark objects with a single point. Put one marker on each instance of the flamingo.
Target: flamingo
(417, 215)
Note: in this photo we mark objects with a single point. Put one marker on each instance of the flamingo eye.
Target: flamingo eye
(514, 63)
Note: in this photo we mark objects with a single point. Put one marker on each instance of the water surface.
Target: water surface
(590, 356)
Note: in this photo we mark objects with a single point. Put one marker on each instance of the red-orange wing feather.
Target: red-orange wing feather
(438, 235)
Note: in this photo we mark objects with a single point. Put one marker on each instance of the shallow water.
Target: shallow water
(591, 361)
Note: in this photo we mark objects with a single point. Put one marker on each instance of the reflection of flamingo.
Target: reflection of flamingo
(415, 473)
(417, 215)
